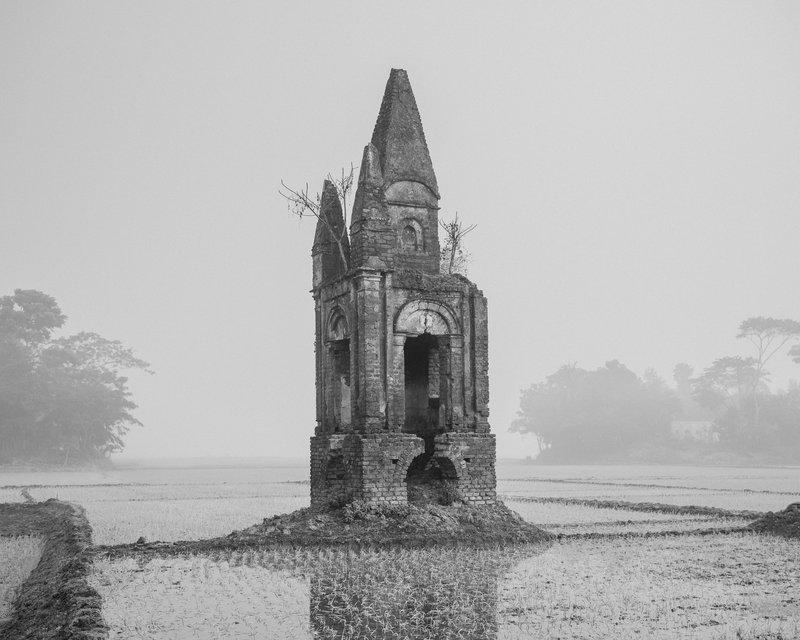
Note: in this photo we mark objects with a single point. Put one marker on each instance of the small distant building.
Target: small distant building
(401, 349)
(694, 431)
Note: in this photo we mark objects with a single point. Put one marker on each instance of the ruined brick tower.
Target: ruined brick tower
(401, 349)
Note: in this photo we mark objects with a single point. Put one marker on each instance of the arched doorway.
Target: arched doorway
(424, 335)
(431, 479)
(339, 392)
(423, 384)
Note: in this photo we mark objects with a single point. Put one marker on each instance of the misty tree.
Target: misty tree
(684, 391)
(735, 387)
(768, 336)
(727, 388)
(780, 419)
(61, 399)
(682, 375)
(454, 257)
(302, 204)
(578, 413)
(748, 420)
(726, 382)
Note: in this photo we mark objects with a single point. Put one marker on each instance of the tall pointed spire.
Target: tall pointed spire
(398, 136)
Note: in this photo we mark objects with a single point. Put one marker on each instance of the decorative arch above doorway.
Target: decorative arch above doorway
(426, 316)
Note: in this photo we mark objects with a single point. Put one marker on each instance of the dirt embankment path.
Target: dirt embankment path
(56, 601)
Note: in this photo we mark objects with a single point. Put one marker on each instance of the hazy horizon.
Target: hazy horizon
(632, 169)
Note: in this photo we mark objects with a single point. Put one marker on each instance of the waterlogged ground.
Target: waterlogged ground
(620, 585)
(727, 586)
(735, 586)
(18, 557)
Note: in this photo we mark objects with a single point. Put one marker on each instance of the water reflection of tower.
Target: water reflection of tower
(415, 594)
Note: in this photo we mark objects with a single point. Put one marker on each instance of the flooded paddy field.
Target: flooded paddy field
(650, 574)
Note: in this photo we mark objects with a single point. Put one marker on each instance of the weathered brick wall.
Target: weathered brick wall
(474, 458)
(373, 244)
(374, 467)
(386, 458)
(361, 467)
(336, 475)
(480, 360)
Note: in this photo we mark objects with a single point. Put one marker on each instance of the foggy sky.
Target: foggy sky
(633, 169)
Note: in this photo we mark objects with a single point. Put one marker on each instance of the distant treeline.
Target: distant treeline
(62, 400)
(611, 414)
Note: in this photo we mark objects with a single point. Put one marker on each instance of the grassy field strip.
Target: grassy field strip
(165, 476)
(650, 507)
(660, 588)
(118, 522)
(705, 526)
(643, 485)
(187, 492)
(580, 520)
(549, 514)
(98, 485)
(606, 523)
(18, 557)
(722, 500)
(785, 479)
(137, 493)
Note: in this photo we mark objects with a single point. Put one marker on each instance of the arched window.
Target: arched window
(411, 236)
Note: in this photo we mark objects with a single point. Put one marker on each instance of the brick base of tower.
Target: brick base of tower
(374, 468)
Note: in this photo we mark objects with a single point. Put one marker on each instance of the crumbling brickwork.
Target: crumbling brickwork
(401, 349)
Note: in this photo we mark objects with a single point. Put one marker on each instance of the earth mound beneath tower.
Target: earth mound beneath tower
(783, 523)
(359, 524)
(422, 523)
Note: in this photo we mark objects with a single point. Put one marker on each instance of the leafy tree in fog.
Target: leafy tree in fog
(61, 399)
(577, 413)
(735, 388)
(768, 336)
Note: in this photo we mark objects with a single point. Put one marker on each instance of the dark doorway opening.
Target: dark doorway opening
(423, 384)
(431, 479)
(340, 351)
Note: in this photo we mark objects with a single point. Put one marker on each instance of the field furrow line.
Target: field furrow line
(655, 507)
(605, 483)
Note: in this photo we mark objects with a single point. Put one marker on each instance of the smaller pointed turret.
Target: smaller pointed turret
(369, 190)
(370, 230)
(331, 249)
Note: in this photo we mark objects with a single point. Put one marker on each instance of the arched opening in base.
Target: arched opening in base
(431, 479)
